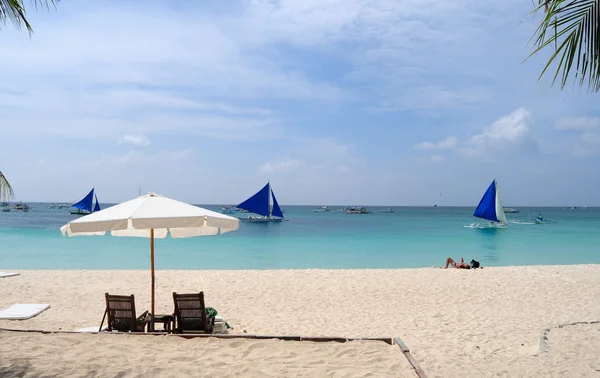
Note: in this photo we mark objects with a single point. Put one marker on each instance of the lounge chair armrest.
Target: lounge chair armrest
(143, 316)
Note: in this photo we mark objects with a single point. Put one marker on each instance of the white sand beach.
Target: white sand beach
(457, 323)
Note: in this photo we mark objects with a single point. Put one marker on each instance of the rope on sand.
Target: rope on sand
(389, 340)
(546, 331)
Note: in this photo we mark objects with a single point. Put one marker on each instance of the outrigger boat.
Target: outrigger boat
(260, 204)
(84, 207)
(490, 208)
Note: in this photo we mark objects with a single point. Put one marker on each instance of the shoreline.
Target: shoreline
(295, 269)
(457, 323)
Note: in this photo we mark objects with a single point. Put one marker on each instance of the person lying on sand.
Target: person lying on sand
(461, 265)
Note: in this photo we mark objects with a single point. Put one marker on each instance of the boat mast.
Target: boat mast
(269, 208)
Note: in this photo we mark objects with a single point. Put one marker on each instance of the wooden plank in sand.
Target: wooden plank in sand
(420, 372)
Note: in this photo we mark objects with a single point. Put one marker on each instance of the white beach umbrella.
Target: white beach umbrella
(152, 216)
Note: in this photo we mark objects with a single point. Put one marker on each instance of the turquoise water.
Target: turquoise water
(409, 237)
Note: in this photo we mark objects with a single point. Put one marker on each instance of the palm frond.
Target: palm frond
(15, 12)
(572, 26)
(6, 192)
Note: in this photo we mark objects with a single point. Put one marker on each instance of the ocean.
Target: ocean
(410, 237)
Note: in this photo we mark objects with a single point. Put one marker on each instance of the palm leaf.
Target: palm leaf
(572, 27)
(6, 192)
(14, 10)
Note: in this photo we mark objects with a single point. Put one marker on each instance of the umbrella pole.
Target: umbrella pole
(152, 270)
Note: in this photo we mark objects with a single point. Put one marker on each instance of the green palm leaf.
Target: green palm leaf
(14, 10)
(572, 27)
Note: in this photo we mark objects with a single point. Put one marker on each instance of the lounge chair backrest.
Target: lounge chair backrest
(190, 312)
(121, 313)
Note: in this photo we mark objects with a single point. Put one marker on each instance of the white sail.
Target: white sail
(499, 209)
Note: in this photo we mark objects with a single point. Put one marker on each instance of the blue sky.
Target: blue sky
(333, 101)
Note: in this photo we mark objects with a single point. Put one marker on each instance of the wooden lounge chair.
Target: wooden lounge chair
(190, 314)
(121, 314)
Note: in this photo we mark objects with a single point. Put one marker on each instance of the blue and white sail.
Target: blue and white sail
(260, 203)
(490, 207)
(86, 204)
(276, 211)
(97, 207)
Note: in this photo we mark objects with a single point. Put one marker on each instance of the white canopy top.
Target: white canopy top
(152, 211)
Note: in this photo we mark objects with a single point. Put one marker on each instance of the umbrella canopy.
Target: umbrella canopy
(152, 216)
(152, 211)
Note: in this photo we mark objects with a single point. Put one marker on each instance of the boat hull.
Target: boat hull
(79, 212)
(486, 225)
(261, 220)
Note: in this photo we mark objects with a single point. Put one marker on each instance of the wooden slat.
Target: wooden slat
(420, 372)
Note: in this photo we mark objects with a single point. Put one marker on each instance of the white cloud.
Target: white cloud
(578, 123)
(138, 158)
(437, 158)
(509, 133)
(588, 145)
(591, 138)
(448, 143)
(327, 154)
(430, 98)
(582, 151)
(314, 156)
(282, 166)
(137, 140)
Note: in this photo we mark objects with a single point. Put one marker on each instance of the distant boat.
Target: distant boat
(321, 209)
(490, 208)
(510, 210)
(5, 207)
(226, 209)
(356, 210)
(260, 204)
(85, 206)
(386, 210)
(21, 206)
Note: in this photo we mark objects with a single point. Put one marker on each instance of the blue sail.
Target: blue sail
(97, 207)
(487, 206)
(258, 203)
(86, 202)
(276, 209)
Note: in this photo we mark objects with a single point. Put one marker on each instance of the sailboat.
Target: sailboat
(490, 208)
(84, 206)
(260, 204)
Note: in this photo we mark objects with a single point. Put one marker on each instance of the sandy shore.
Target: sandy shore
(476, 323)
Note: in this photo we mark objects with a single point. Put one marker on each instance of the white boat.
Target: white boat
(356, 210)
(21, 206)
(85, 206)
(490, 209)
(510, 210)
(260, 205)
(387, 210)
(227, 209)
(321, 209)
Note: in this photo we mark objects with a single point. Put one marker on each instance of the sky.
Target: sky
(335, 102)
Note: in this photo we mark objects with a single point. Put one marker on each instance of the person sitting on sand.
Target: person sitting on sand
(461, 265)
